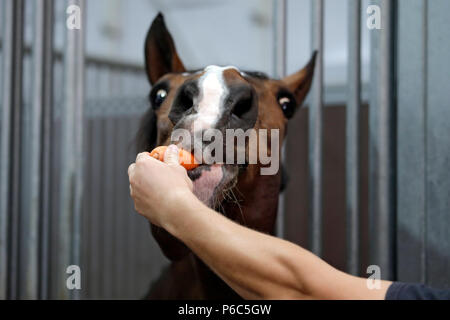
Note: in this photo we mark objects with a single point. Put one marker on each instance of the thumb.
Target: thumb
(171, 155)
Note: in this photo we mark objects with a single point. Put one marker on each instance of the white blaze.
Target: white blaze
(213, 91)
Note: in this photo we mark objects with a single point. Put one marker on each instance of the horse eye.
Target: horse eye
(287, 105)
(160, 96)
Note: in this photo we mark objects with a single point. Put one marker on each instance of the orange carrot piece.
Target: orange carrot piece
(186, 159)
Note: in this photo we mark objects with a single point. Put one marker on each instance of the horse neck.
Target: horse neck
(257, 200)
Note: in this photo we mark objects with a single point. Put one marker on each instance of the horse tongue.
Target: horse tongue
(205, 185)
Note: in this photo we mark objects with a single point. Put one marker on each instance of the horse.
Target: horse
(220, 98)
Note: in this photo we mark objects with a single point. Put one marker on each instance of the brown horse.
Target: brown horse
(221, 98)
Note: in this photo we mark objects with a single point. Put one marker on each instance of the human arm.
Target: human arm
(254, 264)
(259, 266)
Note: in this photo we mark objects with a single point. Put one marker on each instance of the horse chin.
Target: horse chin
(212, 181)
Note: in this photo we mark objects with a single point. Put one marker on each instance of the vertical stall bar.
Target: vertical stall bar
(382, 138)
(71, 151)
(280, 38)
(46, 146)
(280, 72)
(79, 52)
(31, 201)
(316, 130)
(7, 55)
(31, 189)
(352, 132)
(5, 143)
(10, 146)
(16, 139)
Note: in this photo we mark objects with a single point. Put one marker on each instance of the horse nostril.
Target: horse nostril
(242, 106)
(186, 101)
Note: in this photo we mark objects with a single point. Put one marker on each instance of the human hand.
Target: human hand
(158, 188)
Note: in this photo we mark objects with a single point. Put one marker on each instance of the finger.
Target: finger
(131, 169)
(142, 156)
(171, 155)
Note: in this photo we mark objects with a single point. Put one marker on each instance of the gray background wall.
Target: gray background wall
(423, 219)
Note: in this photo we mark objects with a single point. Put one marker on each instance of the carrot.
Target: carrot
(186, 159)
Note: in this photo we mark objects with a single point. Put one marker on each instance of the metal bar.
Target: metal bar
(115, 194)
(129, 209)
(110, 181)
(4, 146)
(122, 197)
(31, 184)
(16, 147)
(133, 231)
(10, 147)
(92, 60)
(280, 37)
(87, 233)
(105, 248)
(79, 123)
(108, 212)
(46, 153)
(58, 93)
(5, 143)
(280, 70)
(55, 178)
(114, 64)
(316, 130)
(97, 186)
(382, 137)
(71, 155)
(2, 18)
(31, 189)
(353, 128)
(117, 214)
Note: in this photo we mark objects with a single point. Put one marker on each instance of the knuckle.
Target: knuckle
(142, 156)
(130, 169)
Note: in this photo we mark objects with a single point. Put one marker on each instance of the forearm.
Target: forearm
(256, 265)
(235, 253)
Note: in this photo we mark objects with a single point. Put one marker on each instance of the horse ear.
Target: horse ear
(161, 56)
(300, 82)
